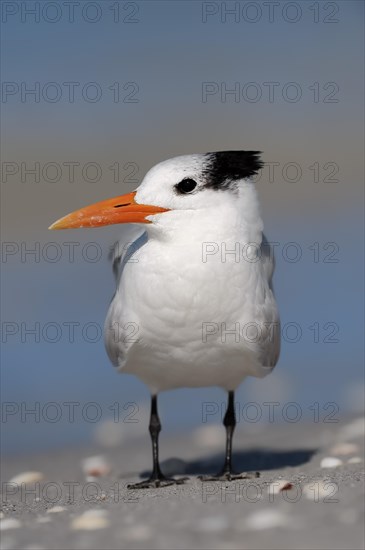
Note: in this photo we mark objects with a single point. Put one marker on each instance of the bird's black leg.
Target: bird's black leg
(155, 428)
(157, 479)
(229, 422)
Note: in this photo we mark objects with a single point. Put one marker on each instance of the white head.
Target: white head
(179, 190)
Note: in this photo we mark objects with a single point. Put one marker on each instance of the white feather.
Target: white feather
(168, 297)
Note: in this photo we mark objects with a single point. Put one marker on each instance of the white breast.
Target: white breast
(169, 319)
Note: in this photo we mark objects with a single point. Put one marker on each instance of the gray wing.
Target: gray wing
(269, 345)
(125, 247)
(117, 336)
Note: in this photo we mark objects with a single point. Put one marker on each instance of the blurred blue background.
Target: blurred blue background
(159, 56)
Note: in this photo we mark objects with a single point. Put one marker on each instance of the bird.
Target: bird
(194, 304)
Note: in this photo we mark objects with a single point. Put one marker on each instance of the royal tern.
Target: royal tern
(194, 304)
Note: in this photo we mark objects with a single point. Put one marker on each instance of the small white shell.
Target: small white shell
(9, 523)
(266, 519)
(27, 477)
(56, 509)
(331, 462)
(90, 521)
(95, 466)
(354, 460)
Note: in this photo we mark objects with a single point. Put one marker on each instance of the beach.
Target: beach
(309, 493)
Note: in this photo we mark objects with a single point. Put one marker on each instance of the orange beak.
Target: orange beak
(121, 209)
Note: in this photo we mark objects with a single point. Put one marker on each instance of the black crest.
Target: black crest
(225, 167)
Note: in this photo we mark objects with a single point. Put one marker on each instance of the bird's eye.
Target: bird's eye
(187, 185)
